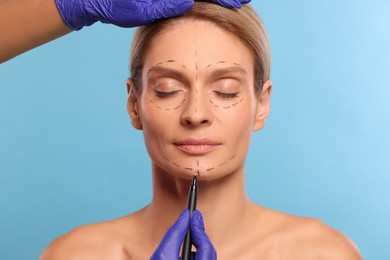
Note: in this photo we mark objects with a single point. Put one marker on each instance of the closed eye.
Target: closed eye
(163, 94)
(226, 95)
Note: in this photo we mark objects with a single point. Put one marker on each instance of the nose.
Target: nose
(195, 110)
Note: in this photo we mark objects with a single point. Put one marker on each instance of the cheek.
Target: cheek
(241, 117)
(241, 120)
(156, 123)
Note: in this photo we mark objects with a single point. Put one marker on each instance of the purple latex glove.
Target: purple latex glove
(169, 247)
(204, 248)
(126, 13)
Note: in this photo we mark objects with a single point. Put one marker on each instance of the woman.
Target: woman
(200, 85)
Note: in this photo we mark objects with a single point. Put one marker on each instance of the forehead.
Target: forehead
(198, 43)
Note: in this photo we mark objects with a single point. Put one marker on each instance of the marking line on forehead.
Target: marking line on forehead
(196, 55)
(170, 61)
(223, 62)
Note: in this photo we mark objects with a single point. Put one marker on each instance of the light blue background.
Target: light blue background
(68, 155)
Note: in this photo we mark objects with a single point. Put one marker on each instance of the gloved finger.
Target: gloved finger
(169, 247)
(193, 256)
(204, 248)
(168, 8)
(231, 3)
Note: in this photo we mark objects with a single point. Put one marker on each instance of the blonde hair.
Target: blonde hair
(244, 23)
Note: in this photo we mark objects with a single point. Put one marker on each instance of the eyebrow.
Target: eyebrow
(219, 73)
(166, 72)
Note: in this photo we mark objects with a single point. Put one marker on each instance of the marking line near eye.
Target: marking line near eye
(223, 99)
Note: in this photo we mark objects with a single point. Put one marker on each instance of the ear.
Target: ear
(132, 105)
(263, 106)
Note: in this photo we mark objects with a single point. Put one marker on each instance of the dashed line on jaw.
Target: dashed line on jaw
(198, 164)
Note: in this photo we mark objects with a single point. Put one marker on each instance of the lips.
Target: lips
(197, 146)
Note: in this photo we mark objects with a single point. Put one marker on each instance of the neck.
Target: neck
(222, 202)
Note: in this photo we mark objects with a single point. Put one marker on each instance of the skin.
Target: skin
(238, 229)
(26, 24)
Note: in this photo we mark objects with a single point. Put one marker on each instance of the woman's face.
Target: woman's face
(198, 105)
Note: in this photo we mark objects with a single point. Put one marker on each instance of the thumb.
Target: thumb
(204, 248)
(169, 247)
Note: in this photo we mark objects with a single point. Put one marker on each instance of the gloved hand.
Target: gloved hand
(169, 248)
(126, 13)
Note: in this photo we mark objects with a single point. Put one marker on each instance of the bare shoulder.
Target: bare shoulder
(310, 238)
(318, 239)
(94, 241)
